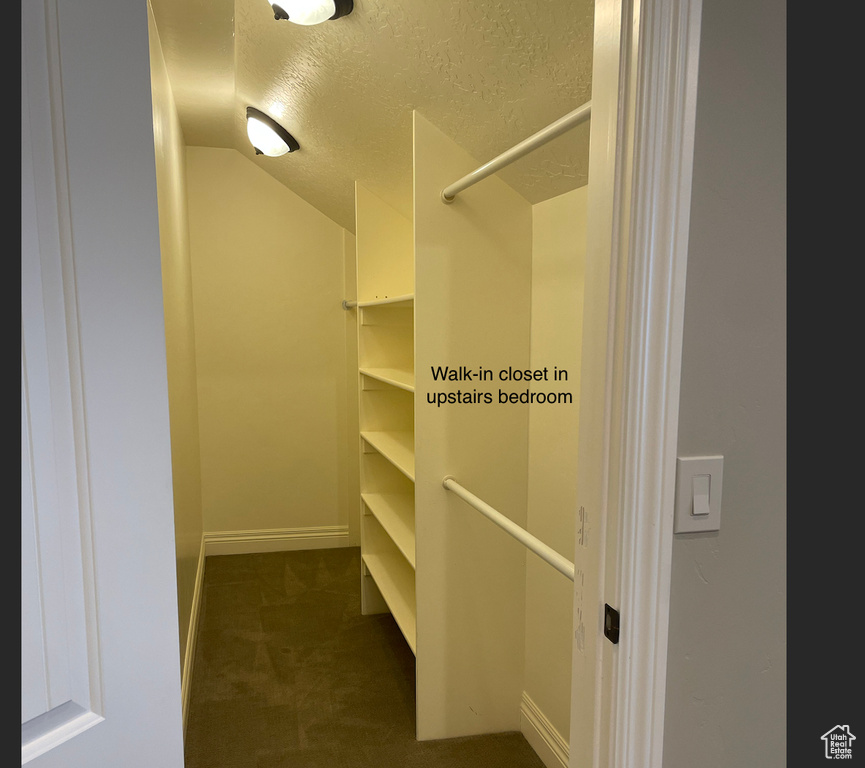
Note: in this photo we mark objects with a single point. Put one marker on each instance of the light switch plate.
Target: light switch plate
(691, 514)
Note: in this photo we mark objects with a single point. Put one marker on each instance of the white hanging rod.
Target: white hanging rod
(520, 534)
(579, 115)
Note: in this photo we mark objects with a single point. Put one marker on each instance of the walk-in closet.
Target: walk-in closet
(400, 373)
(355, 435)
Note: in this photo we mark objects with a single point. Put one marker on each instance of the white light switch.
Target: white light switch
(698, 494)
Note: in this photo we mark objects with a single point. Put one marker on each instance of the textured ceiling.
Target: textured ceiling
(488, 73)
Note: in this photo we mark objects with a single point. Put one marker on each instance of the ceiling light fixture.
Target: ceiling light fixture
(309, 12)
(267, 136)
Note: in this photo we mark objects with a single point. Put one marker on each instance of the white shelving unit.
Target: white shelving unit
(386, 384)
(395, 514)
(404, 300)
(394, 578)
(397, 447)
(393, 376)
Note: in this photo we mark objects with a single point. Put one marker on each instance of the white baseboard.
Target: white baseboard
(275, 540)
(542, 735)
(191, 636)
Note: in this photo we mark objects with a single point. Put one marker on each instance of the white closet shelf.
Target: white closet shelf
(395, 580)
(404, 300)
(395, 513)
(397, 447)
(393, 376)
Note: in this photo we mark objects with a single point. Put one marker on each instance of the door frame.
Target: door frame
(645, 67)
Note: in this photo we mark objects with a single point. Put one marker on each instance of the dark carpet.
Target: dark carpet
(289, 674)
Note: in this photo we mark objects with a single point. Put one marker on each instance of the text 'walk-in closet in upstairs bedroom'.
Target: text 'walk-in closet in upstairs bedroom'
(374, 330)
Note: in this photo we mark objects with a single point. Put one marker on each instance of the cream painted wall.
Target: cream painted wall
(179, 331)
(384, 238)
(726, 699)
(558, 253)
(270, 348)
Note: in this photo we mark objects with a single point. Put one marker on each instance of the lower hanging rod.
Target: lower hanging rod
(570, 120)
(546, 553)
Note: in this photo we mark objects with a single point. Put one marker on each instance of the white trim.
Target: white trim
(60, 733)
(275, 540)
(192, 635)
(542, 735)
(52, 389)
(658, 114)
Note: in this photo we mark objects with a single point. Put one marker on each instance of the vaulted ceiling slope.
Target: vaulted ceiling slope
(488, 73)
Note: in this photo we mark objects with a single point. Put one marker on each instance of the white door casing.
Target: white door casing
(100, 678)
(644, 82)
